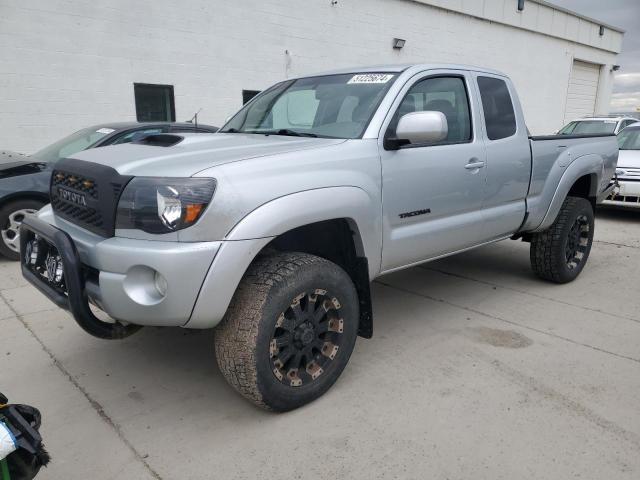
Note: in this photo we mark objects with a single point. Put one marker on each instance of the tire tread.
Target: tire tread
(546, 244)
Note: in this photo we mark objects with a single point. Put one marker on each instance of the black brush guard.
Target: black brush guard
(75, 298)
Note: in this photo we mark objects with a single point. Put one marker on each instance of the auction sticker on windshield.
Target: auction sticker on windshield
(370, 78)
(106, 131)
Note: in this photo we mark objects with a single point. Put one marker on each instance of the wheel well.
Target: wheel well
(585, 187)
(42, 197)
(338, 241)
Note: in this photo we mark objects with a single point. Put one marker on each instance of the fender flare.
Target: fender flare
(253, 232)
(285, 213)
(590, 164)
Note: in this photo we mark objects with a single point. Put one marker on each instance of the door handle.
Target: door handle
(474, 165)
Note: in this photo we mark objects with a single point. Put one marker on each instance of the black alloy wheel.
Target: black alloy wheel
(307, 338)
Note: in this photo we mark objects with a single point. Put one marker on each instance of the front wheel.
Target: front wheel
(11, 216)
(289, 331)
(559, 253)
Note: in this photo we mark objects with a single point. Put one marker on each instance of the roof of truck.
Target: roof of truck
(398, 68)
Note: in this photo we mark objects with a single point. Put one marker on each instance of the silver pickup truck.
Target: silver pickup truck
(272, 230)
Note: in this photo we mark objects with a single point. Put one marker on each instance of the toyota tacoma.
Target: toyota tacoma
(272, 229)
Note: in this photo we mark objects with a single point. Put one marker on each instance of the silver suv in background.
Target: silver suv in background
(628, 171)
(603, 124)
(272, 230)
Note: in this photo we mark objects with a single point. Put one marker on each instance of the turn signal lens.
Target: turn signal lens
(193, 212)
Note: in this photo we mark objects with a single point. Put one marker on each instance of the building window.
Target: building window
(247, 95)
(154, 103)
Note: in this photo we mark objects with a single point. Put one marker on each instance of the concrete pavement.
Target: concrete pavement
(477, 369)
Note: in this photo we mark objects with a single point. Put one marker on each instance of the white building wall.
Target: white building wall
(65, 64)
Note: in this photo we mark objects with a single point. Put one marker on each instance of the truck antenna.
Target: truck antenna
(194, 119)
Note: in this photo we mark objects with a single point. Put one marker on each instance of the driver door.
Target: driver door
(433, 193)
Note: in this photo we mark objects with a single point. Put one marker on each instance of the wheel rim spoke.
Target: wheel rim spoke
(577, 241)
(286, 355)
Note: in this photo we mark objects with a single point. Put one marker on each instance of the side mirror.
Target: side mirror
(421, 127)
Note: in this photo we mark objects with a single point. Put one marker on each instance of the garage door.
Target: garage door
(583, 87)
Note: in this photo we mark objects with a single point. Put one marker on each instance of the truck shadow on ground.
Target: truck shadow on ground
(618, 214)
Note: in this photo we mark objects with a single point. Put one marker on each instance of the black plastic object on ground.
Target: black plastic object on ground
(23, 421)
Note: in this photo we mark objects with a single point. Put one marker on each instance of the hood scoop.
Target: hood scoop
(160, 140)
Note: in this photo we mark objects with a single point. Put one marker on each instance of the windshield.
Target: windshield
(629, 139)
(80, 140)
(332, 106)
(589, 127)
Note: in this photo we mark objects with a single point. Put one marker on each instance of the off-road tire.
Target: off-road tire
(30, 205)
(243, 338)
(548, 248)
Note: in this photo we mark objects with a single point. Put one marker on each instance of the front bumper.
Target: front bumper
(118, 275)
(627, 195)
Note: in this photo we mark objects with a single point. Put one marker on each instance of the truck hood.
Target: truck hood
(629, 159)
(10, 159)
(197, 152)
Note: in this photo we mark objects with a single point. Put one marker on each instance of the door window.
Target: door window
(441, 94)
(626, 123)
(499, 116)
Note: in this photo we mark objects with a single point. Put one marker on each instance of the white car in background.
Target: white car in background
(605, 124)
(628, 170)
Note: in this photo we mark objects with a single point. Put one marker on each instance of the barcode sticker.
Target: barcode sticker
(370, 78)
(106, 131)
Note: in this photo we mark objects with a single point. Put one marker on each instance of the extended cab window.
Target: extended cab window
(441, 94)
(498, 108)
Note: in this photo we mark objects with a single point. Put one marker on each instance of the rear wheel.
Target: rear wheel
(559, 253)
(11, 216)
(289, 331)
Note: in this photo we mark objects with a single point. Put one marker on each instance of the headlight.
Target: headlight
(163, 205)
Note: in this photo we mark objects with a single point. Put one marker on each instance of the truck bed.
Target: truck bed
(552, 156)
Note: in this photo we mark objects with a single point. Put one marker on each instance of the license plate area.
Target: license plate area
(43, 259)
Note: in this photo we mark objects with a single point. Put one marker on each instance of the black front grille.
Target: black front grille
(87, 194)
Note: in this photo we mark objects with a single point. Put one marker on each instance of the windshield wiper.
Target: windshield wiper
(285, 131)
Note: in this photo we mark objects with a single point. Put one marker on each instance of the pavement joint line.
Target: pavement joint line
(595, 310)
(557, 397)
(14, 288)
(511, 322)
(94, 403)
(616, 244)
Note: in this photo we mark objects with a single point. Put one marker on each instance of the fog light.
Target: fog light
(53, 264)
(31, 252)
(160, 283)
